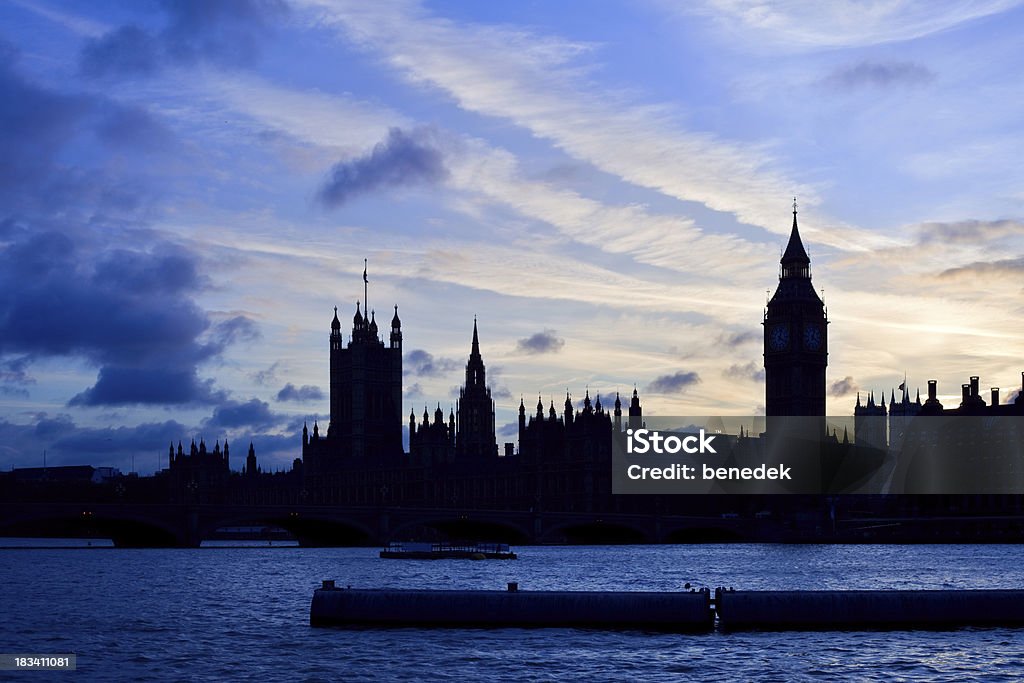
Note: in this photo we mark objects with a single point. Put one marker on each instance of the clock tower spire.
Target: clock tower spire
(795, 338)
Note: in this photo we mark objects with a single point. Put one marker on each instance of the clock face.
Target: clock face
(778, 337)
(812, 337)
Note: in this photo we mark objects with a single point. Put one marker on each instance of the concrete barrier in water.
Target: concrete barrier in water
(668, 611)
(512, 608)
(839, 610)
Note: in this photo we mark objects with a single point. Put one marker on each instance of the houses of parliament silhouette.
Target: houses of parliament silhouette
(563, 459)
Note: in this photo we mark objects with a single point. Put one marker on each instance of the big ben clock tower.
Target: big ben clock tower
(795, 339)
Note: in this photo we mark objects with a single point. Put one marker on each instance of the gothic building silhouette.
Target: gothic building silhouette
(795, 338)
(563, 458)
(886, 427)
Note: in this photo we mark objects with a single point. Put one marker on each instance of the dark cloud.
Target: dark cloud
(307, 392)
(673, 384)
(15, 371)
(117, 385)
(66, 443)
(129, 311)
(224, 32)
(36, 124)
(501, 392)
(842, 387)
(750, 370)
(1003, 267)
(879, 74)
(403, 159)
(734, 339)
(423, 364)
(414, 391)
(542, 342)
(253, 414)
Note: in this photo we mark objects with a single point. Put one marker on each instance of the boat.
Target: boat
(447, 551)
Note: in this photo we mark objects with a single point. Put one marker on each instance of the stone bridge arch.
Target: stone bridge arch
(319, 529)
(126, 528)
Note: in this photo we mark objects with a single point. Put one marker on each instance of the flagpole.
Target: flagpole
(366, 310)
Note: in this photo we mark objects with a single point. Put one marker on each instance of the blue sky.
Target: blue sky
(189, 188)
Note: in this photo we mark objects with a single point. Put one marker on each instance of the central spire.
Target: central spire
(795, 262)
(475, 350)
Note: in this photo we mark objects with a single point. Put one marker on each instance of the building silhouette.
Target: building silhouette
(474, 421)
(795, 339)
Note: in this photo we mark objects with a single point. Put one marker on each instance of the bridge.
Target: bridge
(187, 526)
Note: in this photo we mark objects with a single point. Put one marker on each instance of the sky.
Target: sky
(189, 188)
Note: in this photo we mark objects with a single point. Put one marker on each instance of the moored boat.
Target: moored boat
(447, 551)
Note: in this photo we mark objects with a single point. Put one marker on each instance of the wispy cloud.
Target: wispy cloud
(531, 80)
(800, 25)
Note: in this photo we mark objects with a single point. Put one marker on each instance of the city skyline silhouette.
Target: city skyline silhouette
(188, 197)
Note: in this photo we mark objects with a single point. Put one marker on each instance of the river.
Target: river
(230, 612)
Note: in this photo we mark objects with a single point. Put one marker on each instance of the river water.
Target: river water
(233, 612)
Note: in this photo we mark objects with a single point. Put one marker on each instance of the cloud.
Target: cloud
(129, 311)
(842, 387)
(509, 429)
(253, 414)
(541, 342)
(120, 385)
(413, 391)
(734, 339)
(223, 32)
(14, 371)
(34, 124)
(67, 443)
(967, 232)
(265, 377)
(673, 384)
(1003, 267)
(878, 74)
(423, 364)
(307, 392)
(534, 81)
(795, 24)
(751, 371)
(38, 124)
(403, 159)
